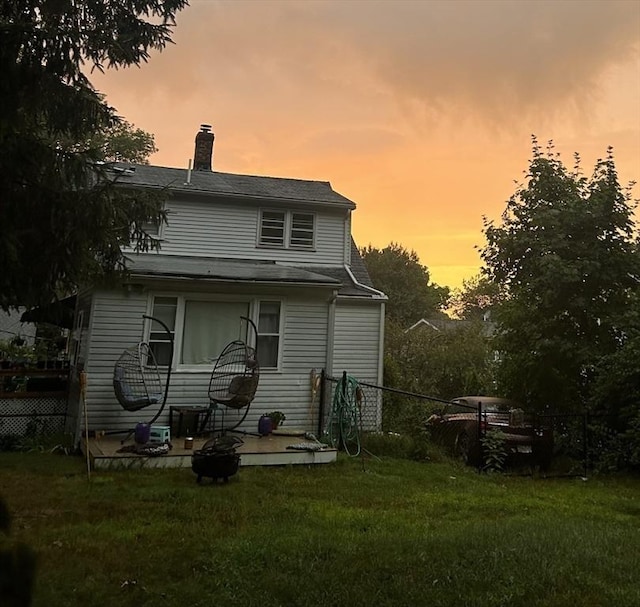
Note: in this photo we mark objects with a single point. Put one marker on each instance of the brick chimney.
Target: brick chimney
(203, 154)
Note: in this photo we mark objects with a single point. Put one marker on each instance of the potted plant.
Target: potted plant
(277, 418)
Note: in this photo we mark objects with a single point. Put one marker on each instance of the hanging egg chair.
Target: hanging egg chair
(137, 380)
(233, 384)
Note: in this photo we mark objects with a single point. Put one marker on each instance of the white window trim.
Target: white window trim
(288, 224)
(254, 309)
(161, 225)
(278, 367)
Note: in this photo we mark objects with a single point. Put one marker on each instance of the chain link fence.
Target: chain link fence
(33, 404)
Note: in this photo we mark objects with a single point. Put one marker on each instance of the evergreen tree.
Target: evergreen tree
(63, 221)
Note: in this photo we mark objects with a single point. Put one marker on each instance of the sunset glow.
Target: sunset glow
(421, 112)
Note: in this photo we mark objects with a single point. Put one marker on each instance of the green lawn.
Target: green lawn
(394, 533)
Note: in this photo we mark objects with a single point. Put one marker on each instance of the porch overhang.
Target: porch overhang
(225, 271)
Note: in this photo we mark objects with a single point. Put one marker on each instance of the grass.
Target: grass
(396, 533)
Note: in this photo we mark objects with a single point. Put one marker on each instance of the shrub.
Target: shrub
(494, 446)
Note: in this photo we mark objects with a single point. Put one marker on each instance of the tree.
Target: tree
(477, 297)
(446, 363)
(63, 220)
(564, 256)
(406, 282)
(120, 142)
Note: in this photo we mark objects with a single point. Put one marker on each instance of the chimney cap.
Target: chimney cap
(205, 128)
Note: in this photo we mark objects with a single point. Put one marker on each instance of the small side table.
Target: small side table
(185, 412)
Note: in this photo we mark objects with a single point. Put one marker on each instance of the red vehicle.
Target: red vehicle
(461, 424)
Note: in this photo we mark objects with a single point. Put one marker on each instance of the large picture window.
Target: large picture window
(287, 229)
(208, 327)
(202, 328)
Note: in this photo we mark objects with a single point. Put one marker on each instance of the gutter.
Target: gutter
(376, 293)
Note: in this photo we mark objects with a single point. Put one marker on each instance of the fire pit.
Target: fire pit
(217, 459)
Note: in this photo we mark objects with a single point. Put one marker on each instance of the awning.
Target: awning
(59, 313)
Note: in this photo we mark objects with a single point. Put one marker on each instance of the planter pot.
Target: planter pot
(265, 425)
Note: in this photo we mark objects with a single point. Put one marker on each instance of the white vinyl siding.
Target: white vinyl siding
(357, 350)
(356, 341)
(117, 323)
(232, 231)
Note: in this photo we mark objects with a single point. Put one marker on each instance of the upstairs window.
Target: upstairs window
(272, 228)
(302, 230)
(287, 229)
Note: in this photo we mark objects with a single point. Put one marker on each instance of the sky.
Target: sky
(420, 111)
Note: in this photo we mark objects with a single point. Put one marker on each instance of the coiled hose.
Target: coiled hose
(345, 419)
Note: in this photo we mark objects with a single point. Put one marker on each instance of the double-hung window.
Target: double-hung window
(302, 227)
(272, 228)
(269, 334)
(203, 327)
(287, 229)
(164, 309)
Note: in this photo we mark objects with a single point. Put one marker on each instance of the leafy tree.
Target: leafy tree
(565, 257)
(63, 221)
(400, 275)
(445, 363)
(475, 300)
(120, 142)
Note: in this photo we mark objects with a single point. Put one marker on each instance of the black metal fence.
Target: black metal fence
(576, 444)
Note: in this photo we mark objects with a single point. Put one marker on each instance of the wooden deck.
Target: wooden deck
(272, 450)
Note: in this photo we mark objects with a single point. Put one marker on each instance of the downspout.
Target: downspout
(331, 332)
(381, 345)
(380, 365)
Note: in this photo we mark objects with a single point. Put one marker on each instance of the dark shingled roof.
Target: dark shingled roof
(240, 270)
(230, 185)
(358, 266)
(216, 269)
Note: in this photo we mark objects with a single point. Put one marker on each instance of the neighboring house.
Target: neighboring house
(452, 324)
(278, 251)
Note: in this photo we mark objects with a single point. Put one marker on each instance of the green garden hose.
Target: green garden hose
(345, 419)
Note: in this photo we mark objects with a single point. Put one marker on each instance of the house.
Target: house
(278, 251)
(439, 324)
